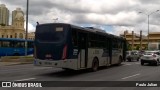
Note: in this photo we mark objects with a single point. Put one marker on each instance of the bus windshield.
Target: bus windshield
(50, 33)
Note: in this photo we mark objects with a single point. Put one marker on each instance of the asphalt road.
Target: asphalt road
(128, 71)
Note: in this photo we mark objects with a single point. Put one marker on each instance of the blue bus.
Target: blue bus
(15, 47)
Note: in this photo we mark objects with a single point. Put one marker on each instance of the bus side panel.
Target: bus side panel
(101, 54)
(11, 51)
(116, 50)
(116, 53)
(7, 51)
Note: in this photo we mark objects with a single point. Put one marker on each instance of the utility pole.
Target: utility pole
(148, 15)
(141, 40)
(132, 40)
(26, 29)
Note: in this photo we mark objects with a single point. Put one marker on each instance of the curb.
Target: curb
(18, 63)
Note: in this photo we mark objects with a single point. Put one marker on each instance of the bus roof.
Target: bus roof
(88, 29)
(13, 39)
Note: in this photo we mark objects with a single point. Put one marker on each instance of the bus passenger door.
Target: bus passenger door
(82, 44)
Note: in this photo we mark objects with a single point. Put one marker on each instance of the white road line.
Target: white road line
(137, 63)
(127, 64)
(42, 68)
(25, 79)
(131, 76)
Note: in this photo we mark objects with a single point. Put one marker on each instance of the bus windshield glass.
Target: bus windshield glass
(50, 33)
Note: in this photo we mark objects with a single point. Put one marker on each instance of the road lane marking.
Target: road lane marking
(137, 63)
(25, 79)
(42, 68)
(131, 76)
(127, 64)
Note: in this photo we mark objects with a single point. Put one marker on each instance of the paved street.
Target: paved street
(128, 71)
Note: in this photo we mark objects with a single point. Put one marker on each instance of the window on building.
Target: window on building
(10, 36)
(15, 35)
(2, 36)
(20, 35)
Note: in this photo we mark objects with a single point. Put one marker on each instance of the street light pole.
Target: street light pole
(148, 31)
(148, 15)
(26, 37)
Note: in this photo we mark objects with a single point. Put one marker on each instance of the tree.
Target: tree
(145, 47)
(129, 47)
(137, 47)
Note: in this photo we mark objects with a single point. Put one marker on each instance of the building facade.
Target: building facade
(16, 29)
(4, 15)
(140, 42)
(31, 35)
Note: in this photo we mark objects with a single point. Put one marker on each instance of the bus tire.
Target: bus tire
(142, 63)
(129, 59)
(95, 64)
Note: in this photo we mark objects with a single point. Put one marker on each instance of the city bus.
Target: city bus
(15, 47)
(73, 47)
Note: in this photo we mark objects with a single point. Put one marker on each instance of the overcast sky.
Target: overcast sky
(114, 16)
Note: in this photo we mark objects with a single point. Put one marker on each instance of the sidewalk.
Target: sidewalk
(13, 63)
(14, 60)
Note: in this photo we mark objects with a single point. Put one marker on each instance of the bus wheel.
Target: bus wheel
(129, 59)
(95, 64)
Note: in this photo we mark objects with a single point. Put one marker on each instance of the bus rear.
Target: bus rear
(53, 45)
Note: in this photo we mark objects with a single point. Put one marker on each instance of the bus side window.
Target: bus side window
(74, 37)
(21, 44)
(5, 44)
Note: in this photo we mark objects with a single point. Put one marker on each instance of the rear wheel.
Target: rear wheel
(156, 63)
(129, 59)
(95, 64)
(142, 63)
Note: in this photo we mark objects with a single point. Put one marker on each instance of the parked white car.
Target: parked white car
(151, 57)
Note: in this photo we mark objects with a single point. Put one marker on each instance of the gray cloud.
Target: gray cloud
(101, 12)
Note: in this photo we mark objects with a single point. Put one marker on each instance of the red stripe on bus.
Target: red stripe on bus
(64, 52)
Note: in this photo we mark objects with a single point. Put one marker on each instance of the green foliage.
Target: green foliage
(2, 24)
(137, 47)
(129, 47)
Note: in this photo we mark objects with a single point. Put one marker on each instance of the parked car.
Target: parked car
(132, 55)
(151, 57)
